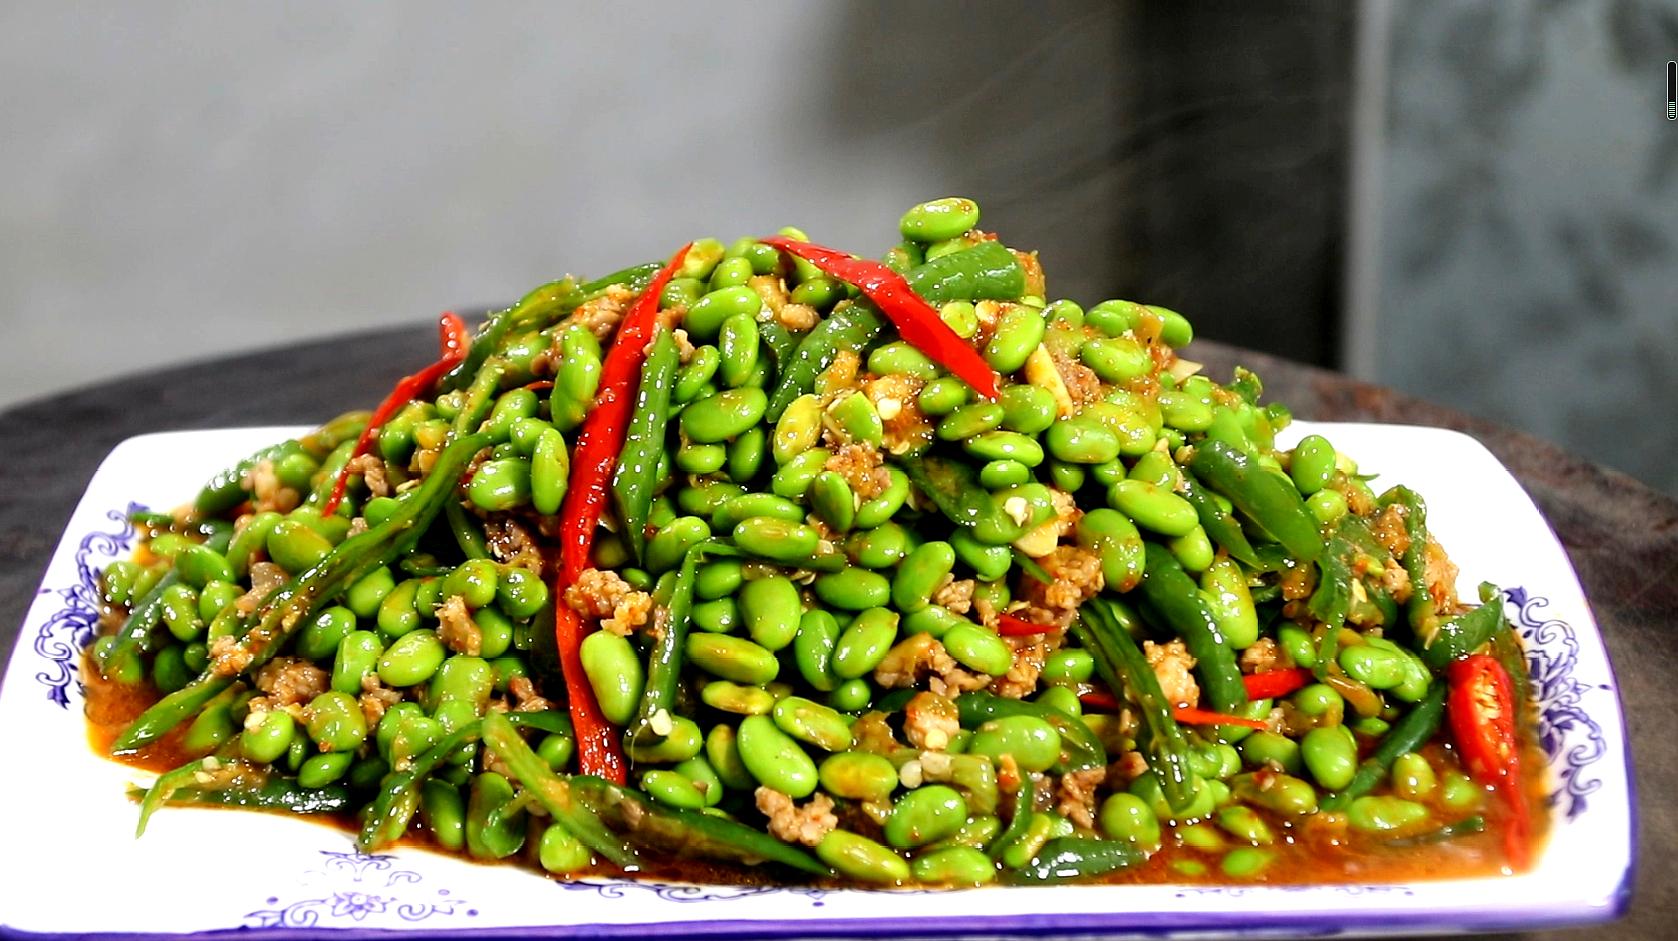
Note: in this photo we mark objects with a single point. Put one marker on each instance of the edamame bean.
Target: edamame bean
(862, 859)
(970, 421)
(818, 634)
(668, 787)
(706, 317)
(1380, 668)
(1271, 749)
(798, 429)
(978, 648)
(722, 752)
(1244, 862)
(853, 589)
(737, 342)
(684, 742)
(775, 539)
(1033, 742)
(336, 722)
(1116, 359)
(1153, 508)
(724, 415)
(901, 358)
(358, 655)
(775, 759)
(1311, 464)
(561, 853)
(266, 739)
(771, 610)
(740, 700)
(1068, 666)
(939, 219)
(732, 658)
(1331, 755)
(988, 561)
(793, 479)
(295, 547)
(1224, 586)
(1019, 330)
(1385, 814)
(1282, 793)
(812, 722)
(1081, 441)
(365, 596)
(954, 866)
(500, 485)
(411, 659)
(321, 636)
(550, 472)
(920, 574)
(876, 511)
(940, 397)
(925, 815)
(198, 565)
(667, 546)
(1413, 778)
(1128, 818)
(833, 501)
(1005, 446)
(861, 776)
(864, 643)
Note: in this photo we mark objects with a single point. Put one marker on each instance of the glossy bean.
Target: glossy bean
(812, 722)
(862, 859)
(1331, 755)
(925, 815)
(732, 658)
(724, 415)
(853, 589)
(336, 722)
(771, 610)
(979, 649)
(857, 775)
(358, 656)
(864, 643)
(411, 659)
(1153, 508)
(1019, 330)
(775, 759)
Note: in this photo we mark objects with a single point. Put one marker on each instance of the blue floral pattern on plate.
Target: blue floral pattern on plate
(375, 891)
(69, 630)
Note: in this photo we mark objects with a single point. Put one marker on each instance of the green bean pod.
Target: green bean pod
(636, 477)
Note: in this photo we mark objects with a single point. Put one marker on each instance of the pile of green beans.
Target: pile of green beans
(823, 546)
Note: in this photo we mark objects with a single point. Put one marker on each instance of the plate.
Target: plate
(68, 824)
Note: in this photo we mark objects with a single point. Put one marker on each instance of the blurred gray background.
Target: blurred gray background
(1475, 203)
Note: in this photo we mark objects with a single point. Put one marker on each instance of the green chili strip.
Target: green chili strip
(1407, 735)
(1080, 748)
(851, 326)
(1218, 522)
(987, 271)
(685, 834)
(1172, 597)
(399, 793)
(1070, 858)
(553, 792)
(636, 476)
(1462, 635)
(265, 630)
(1267, 498)
(1122, 665)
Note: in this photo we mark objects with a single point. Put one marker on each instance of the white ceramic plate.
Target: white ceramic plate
(77, 869)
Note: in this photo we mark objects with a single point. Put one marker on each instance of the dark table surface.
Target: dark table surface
(1621, 536)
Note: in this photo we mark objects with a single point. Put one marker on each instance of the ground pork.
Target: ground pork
(862, 466)
(1172, 664)
(929, 721)
(228, 657)
(291, 680)
(1082, 384)
(872, 733)
(922, 656)
(1441, 576)
(371, 469)
(771, 290)
(955, 594)
(264, 577)
(1008, 776)
(897, 398)
(606, 597)
(1130, 766)
(839, 377)
(525, 697)
(457, 630)
(1264, 656)
(684, 345)
(798, 317)
(267, 493)
(511, 543)
(376, 698)
(1075, 795)
(1077, 578)
(1389, 528)
(795, 824)
(1029, 654)
(600, 316)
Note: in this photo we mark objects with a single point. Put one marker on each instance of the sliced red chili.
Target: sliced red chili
(1481, 710)
(1101, 700)
(1009, 626)
(601, 436)
(592, 462)
(1275, 683)
(1189, 715)
(916, 320)
(453, 341)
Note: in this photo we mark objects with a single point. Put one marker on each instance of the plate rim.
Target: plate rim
(1143, 924)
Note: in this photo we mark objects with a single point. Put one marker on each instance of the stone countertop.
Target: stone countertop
(1622, 536)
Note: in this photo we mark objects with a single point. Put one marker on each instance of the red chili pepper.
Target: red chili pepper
(915, 319)
(1189, 715)
(1481, 709)
(1275, 683)
(596, 455)
(453, 340)
(1009, 626)
(1100, 700)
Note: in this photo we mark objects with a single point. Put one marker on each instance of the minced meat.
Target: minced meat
(1173, 665)
(456, 629)
(794, 824)
(930, 720)
(922, 656)
(603, 595)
